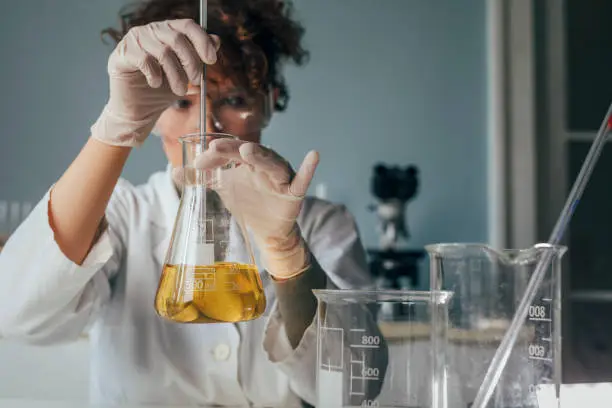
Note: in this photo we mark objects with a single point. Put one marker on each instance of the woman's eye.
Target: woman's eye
(236, 101)
(182, 104)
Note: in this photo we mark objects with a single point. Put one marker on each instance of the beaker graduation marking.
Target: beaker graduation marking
(364, 372)
(330, 366)
(203, 280)
(366, 341)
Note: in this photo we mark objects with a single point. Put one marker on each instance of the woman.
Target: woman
(99, 242)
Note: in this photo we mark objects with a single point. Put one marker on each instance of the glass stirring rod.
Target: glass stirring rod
(502, 354)
(202, 227)
(203, 21)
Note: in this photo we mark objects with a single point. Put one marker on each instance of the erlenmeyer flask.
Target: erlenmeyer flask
(209, 273)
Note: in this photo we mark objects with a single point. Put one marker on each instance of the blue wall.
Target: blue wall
(400, 81)
(54, 84)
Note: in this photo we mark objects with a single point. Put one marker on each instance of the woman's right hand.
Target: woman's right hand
(150, 69)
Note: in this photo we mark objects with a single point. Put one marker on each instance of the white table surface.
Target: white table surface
(22, 403)
(572, 396)
(578, 396)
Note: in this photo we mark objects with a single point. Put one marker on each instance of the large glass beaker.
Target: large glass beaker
(488, 286)
(369, 358)
(209, 274)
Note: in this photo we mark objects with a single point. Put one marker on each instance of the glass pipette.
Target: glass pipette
(502, 354)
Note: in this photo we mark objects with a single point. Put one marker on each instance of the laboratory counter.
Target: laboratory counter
(405, 342)
(572, 396)
(22, 403)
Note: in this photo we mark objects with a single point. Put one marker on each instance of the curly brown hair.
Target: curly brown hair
(257, 36)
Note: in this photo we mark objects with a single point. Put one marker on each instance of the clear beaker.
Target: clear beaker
(368, 358)
(488, 286)
(209, 273)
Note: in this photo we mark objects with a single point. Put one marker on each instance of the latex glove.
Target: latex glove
(267, 195)
(149, 69)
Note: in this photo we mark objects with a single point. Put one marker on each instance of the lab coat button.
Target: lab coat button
(222, 352)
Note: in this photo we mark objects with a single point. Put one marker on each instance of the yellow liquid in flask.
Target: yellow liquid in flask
(223, 292)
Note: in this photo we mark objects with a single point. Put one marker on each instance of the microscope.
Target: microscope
(393, 263)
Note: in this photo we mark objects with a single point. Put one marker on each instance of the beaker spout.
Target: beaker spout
(470, 250)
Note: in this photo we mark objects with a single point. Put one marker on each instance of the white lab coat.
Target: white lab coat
(138, 357)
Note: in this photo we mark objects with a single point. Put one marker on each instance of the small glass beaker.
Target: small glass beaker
(368, 358)
(488, 286)
(209, 273)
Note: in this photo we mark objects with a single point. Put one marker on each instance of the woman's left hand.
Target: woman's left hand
(267, 194)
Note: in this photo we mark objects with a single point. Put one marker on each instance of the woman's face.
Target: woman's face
(183, 118)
